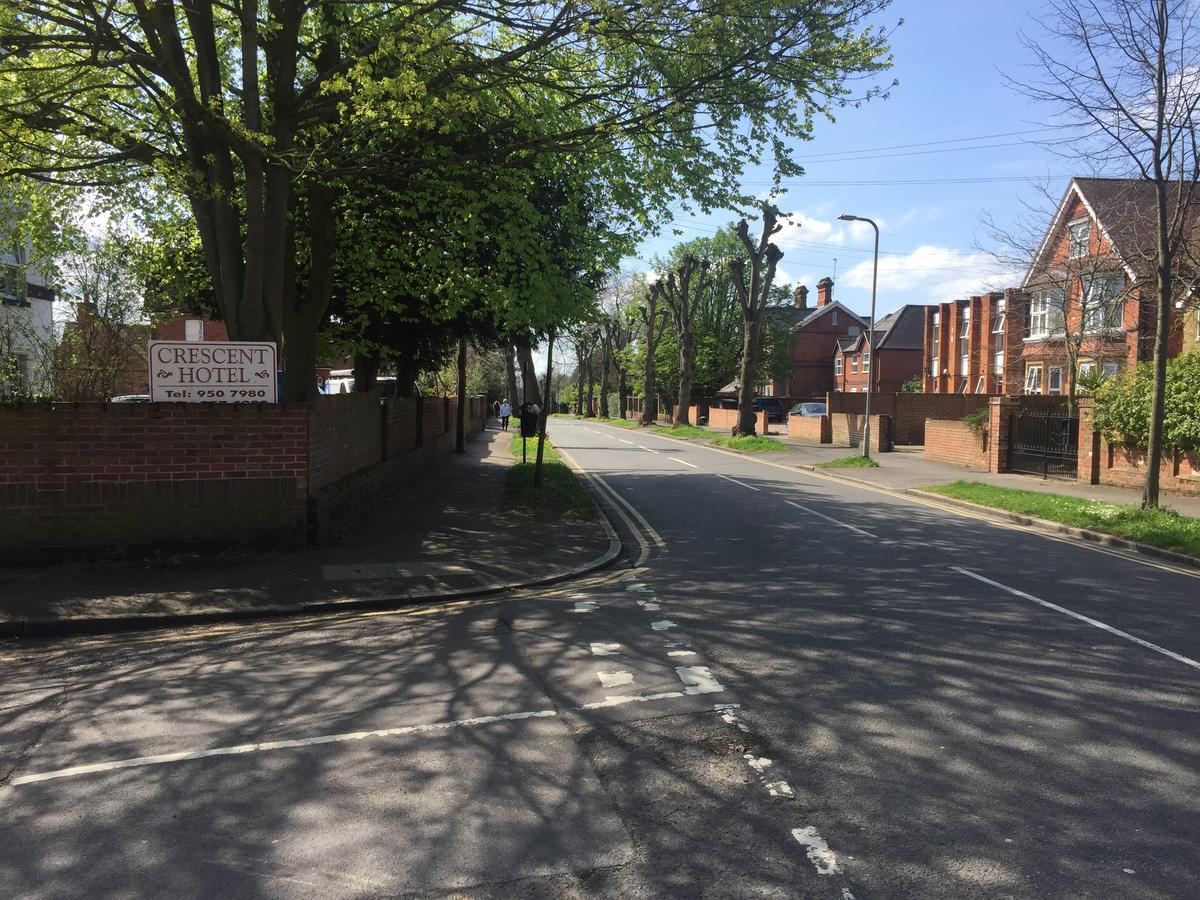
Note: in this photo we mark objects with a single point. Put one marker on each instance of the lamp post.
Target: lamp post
(846, 217)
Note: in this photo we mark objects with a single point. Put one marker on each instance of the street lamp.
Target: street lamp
(846, 217)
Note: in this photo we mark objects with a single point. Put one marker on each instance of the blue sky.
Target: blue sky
(950, 59)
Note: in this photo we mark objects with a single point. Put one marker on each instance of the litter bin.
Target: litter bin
(529, 419)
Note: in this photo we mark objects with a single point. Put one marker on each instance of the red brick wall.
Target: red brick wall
(846, 430)
(949, 441)
(726, 419)
(1104, 463)
(125, 474)
(814, 429)
(909, 411)
(345, 434)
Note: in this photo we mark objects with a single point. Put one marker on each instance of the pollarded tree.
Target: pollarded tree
(681, 291)
(754, 293)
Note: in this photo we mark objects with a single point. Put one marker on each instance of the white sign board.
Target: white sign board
(212, 372)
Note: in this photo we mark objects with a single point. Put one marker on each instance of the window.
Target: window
(1079, 233)
(1086, 368)
(1045, 314)
(193, 330)
(998, 362)
(14, 255)
(933, 367)
(854, 363)
(980, 385)
(834, 314)
(12, 284)
(1033, 379)
(1110, 369)
(1104, 302)
(837, 365)
(964, 324)
(964, 363)
(1056, 377)
(997, 324)
(866, 361)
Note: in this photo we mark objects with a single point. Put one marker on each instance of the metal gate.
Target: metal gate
(1043, 442)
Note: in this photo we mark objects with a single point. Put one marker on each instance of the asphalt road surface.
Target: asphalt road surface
(791, 687)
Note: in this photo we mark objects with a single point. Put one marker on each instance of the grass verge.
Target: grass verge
(619, 423)
(849, 462)
(681, 431)
(560, 495)
(751, 443)
(1157, 527)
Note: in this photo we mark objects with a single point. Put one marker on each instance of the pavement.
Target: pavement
(801, 687)
(447, 534)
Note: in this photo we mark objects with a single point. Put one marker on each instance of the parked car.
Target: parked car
(772, 407)
(808, 410)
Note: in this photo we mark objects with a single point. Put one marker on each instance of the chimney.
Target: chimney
(824, 291)
(801, 297)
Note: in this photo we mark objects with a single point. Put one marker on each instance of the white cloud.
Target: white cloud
(932, 274)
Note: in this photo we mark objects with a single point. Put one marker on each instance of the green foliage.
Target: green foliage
(1158, 527)
(560, 495)
(857, 461)
(682, 431)
(1122, 405)
(914, 385)
(977, 420)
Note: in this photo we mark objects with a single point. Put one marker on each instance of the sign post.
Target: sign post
(212, 371)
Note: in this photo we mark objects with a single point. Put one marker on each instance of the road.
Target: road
(792, 687)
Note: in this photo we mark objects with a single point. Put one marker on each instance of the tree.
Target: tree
(680, 291)
(753, 292)
(1123, 73)
(259, 115)
(653, 321)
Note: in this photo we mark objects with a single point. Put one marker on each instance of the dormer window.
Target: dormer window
(1079, 234)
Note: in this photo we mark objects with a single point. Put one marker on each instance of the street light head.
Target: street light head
(846, 217)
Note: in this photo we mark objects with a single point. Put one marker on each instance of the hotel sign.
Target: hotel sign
(212, 371)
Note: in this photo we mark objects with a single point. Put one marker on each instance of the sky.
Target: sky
(952, 142)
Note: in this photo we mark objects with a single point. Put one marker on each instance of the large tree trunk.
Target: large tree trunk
(589, 411)
(605, 368)
(460, 419)
(748, 375)
(1158, 396)
(623, 392)
(546, 401)
(529, 383)
(510, 372)
(366, 372)
(304, 311)
(579, 389)
(687, 363)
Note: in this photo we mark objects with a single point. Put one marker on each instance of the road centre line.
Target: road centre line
(1082, 618)
(623, 441)
(829, 518)
(647, 449)
(749, 487)
(343, 737)
(684, 461)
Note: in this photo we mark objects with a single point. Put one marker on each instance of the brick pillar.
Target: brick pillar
(1088, 471)
(1000, 409)
(881, 434)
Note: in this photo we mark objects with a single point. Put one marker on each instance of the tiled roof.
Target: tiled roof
(903, 329)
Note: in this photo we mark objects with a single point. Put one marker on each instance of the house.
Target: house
(975, 346)
(26, 325)
(892, 358)
(813, 337)
(1091, 287)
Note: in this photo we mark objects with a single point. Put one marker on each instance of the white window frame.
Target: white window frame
(1079, 244)
(1104, 301)
(981, 385)
(1050, 388)
(933, 367)
(193, 329)
(998, 362)
(854, 364)
(964, 324)
(964, 364)
(1110, 369)
(1086, 368)
(1033, 385)
(1045, 314)
(998, 316)
(866, 362)
(837, 365)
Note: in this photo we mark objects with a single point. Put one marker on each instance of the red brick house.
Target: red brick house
(814, 333)
(975, 346)
(896, 358)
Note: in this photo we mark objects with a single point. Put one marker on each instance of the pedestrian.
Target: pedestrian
(505, 412)
(496, 408)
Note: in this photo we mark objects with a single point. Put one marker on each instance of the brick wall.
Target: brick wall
(909, 411)
(1103, 463)
(949, 441)
(815, 429)
(846, 430)
(101, 477)
(127, 474)
(726, 419)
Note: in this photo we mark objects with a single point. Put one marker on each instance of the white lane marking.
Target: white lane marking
(698, 680)
(647, 449)
(681, 653)
(639, 588)
(650, 605)
(780, 789)
(829, 519)
(262, 746)
(623, 441)
(748, 487)
(684, 461)
(819, 854)
(663, 625)
(614, 679)
(622, 699)
(584, 606)
(601, 648)
(758, 763)
(1082, 618)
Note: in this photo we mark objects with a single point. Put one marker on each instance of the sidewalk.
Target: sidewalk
(906, 469)
(447, 534)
